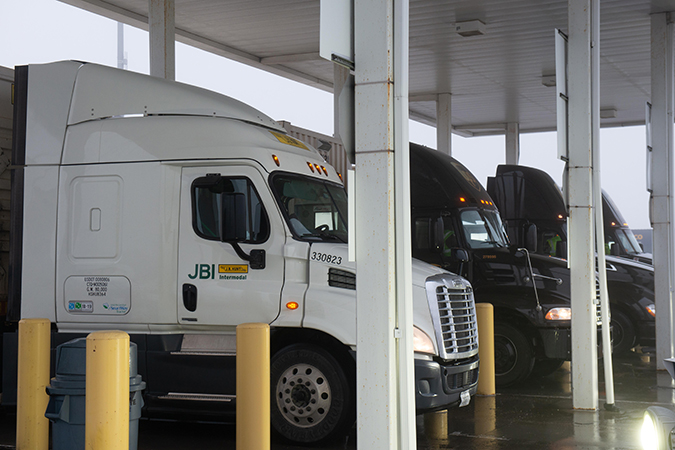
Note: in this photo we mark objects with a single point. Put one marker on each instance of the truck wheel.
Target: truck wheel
(514, 355)
(623, 333)
(311, 398)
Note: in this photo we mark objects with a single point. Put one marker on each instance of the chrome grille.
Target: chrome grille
(455, 316)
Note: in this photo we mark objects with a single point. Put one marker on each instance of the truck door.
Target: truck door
(215, 285)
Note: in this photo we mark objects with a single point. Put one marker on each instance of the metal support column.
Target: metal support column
(661, 201)
(597, 202)
(512, 143)
(162, 24)
(385, 371)
(581, 236)
(444, 123)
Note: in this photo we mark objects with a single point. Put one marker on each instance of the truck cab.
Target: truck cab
(457, 226)
(619, 238)
(175, 214)
(530, 201)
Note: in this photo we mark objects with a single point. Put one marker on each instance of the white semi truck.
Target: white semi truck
(175, 214)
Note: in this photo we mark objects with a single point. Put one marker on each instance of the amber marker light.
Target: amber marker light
(311, 166)
(324, 170)
(613, 224)
(276, 160)
(462, 199)
(340, 175)
(318, 168)
(292, 305)
(560, 216)
(559, 314)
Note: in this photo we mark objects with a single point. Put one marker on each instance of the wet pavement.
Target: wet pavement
(535, 415)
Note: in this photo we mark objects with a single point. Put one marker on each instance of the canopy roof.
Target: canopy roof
(494, 78)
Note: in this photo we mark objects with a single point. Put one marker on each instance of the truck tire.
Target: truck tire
(623, 333)
(311, 397)
(514, 355)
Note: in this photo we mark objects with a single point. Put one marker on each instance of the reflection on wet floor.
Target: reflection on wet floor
(539, 414)
(535, 415)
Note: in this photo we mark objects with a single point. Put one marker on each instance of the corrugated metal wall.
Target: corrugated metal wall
(336, 157)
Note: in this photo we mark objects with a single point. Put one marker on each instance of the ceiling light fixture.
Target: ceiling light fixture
(470, 28)
(548, 80)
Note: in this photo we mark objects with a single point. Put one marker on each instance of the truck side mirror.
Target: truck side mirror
(614, 249)
(233, 218)
(233, 227)
(437, 236)
(460, 254)
(531, 238)
(561, 249)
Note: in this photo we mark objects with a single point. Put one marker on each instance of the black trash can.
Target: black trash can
(66, 408)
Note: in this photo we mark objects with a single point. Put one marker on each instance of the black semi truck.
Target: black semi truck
(534, 209)
(456, 225)
(619, 238)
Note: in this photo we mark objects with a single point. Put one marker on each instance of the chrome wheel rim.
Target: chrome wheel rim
(303, 395)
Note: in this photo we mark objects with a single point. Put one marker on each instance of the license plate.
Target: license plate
(465, 398)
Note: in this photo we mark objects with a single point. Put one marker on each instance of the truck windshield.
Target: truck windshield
(315, 210)
(627, 240)
(483, 229)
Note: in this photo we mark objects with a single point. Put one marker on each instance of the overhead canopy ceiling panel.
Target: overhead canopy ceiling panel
(494, 78)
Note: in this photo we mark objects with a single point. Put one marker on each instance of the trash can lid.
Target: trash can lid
(71, 359)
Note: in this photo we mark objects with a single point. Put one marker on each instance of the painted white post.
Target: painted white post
(512, 143)
(162, 24)
(662, 181)
(385, 410)
(444, 123)
(581, 236)
(597, 202)
(404, 297)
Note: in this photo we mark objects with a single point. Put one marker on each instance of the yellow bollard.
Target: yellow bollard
(106, 424)
(253, 386)
(436, 425)
(486, 351)
(32, 427)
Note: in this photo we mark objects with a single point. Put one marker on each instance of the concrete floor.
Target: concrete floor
(535, 415)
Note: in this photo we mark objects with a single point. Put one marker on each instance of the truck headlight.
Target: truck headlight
(559, 314)
(657, 425)
(422, 343)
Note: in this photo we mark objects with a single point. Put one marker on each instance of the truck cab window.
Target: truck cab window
(483, 229)
(207, 214)
(315, 210)
(423, 238)
(626, 241)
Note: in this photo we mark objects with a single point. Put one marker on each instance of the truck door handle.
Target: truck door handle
(190, 297)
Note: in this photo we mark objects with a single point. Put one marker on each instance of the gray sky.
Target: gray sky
(39, 31)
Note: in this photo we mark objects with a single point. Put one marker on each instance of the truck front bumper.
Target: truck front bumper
(440, 386)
